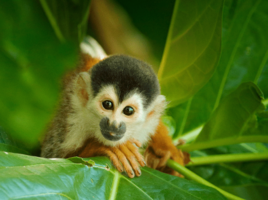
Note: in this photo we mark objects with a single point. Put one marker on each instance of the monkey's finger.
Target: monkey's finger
(150, 157)
(171, 171)
(156, 159)
(136, 153)
(178, 158)
(136, 142)
(114, 160)
(124, 162)
(131, 158)
(164, 159)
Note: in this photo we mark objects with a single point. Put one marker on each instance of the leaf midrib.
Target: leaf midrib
(43, 194)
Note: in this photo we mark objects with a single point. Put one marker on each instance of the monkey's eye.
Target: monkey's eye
(108, 105)
(128, 110)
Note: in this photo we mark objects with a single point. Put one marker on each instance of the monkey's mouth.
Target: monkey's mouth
(111, 135)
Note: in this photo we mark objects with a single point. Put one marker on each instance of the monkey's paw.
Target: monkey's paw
(128, 155)
(157, 156)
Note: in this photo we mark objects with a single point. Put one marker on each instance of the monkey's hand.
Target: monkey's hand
(126, 154)
(160, 149)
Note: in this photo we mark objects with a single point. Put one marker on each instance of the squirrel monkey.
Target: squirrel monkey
(111, 107)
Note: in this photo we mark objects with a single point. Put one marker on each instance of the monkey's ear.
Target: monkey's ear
(157, 107)
(82, 87)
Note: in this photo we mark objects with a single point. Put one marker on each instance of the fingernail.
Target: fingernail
(144, 163)
(139, 171)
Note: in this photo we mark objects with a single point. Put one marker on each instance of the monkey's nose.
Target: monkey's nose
(115, 124)
(112, 134)
(110, 131)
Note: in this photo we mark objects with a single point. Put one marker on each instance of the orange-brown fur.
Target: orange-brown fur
(160, 149)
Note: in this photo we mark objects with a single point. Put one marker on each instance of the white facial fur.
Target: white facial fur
(141, 125)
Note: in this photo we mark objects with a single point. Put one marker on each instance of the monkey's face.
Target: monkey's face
(118, 120)
(122, 99)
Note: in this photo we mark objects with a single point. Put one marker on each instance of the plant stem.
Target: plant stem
(224, 141)
(228, 158)
(189, 174)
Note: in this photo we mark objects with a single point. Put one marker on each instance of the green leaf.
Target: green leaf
(31, 177)
(244, 58)
(234, 121)
(192, 49)
(68, 18)
(233, 149)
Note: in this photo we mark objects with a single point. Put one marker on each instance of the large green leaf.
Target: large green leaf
(32, 177)
(68, 18)
(244, 58)
(234, 121)
(192, 49)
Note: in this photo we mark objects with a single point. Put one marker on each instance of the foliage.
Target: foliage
(62, 178)
(213, 72)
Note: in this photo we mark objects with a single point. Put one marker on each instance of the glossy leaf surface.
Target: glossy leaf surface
(32, 177)
(243, 58)
(192, 49)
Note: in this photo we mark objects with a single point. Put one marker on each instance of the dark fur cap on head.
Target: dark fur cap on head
(127, 75)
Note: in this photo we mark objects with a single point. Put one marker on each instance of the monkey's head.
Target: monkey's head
(121, 100)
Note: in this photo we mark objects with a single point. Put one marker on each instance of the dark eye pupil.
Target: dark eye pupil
(107, 105)
(128, 110)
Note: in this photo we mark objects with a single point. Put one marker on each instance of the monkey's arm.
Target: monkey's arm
(160, 149)
(126, 153)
